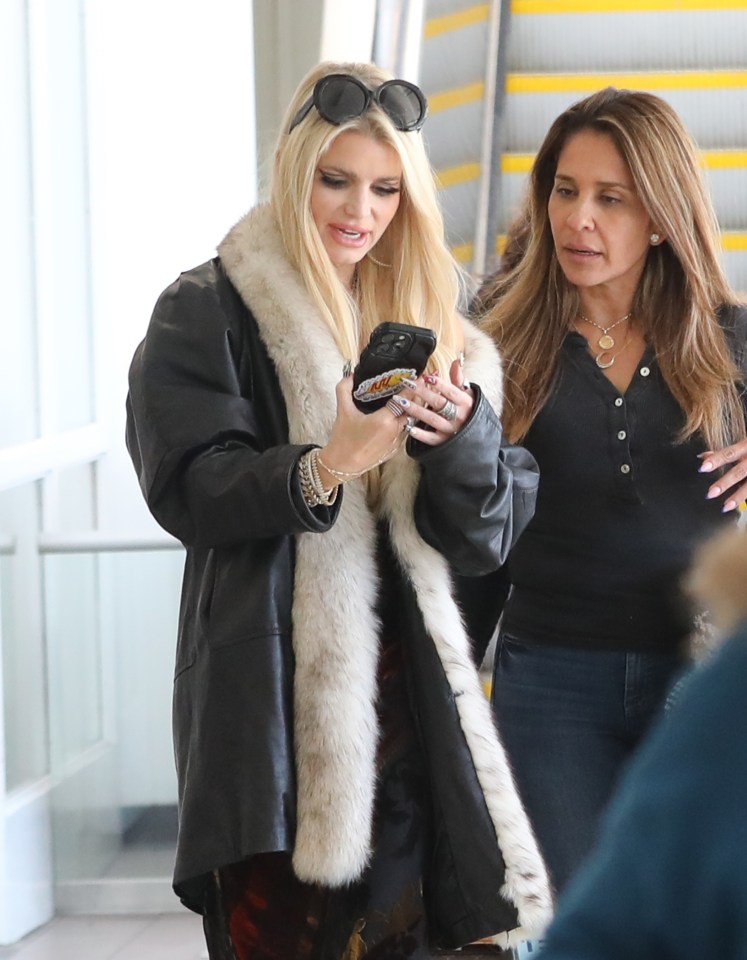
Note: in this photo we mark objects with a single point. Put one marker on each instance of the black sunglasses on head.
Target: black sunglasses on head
(339, 97)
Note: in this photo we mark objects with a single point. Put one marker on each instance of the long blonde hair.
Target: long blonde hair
(680, 291)
(416, 279)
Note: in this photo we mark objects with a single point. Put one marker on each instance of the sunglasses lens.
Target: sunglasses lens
(340, 98)
(404, 104)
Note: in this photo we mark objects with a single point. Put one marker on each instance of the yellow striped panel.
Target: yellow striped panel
(517, 162)
(463, 252)
(452, 176)
(522, 163)
(731, 240)
(456, 97)
(588, 82)
(734, 240)
(457, 20)
(724, 159)
(622, 6)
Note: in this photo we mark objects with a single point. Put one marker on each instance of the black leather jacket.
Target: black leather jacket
(207, 431)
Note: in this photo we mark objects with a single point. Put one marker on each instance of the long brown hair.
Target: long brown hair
(680, 290)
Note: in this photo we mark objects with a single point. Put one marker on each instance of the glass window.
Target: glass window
(22, 643)
(17, 343)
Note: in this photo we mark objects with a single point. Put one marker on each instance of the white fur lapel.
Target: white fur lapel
(335, 634)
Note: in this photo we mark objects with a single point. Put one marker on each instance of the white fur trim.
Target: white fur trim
(526, 877)
(716, 581)
(336, 636)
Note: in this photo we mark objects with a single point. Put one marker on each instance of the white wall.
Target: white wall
(172, 167)
(129, 152)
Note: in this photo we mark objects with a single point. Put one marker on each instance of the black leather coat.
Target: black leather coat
(208, 434)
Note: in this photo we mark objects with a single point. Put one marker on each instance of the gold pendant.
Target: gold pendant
(604, 365)
(605, 342)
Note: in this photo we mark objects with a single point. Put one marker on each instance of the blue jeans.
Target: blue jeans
(569, 720)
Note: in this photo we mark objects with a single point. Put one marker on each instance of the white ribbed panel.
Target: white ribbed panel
(453, 59)
(454, 136)
(717, 118)
(671, 40)
(735, 264)
(459, 204)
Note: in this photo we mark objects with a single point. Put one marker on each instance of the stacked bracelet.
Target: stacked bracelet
(312, 488)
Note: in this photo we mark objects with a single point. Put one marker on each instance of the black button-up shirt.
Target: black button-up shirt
(621, 507)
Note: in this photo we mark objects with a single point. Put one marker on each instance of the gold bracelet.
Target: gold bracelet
(340, 475)
(343, 475)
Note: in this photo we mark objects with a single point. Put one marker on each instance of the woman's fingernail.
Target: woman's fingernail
(705, 467)
(713, 492)
(460, 358)
(729, 505)
(409, 382)
(430, 378)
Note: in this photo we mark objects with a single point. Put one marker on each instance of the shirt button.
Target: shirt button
(619, 402)
(625, 468)
(645, 371)
(621, 435)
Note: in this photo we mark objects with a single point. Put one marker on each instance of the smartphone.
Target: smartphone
(394, 351)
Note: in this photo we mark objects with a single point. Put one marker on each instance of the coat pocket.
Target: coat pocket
(248, 592)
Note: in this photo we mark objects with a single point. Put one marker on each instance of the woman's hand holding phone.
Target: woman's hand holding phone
(398, 399)
(359, 441)
(440, 407)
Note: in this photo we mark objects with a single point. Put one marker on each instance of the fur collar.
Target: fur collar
(335, 635)
(715, 582)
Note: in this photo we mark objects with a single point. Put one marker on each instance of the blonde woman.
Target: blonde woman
(623, 349)
(342, 790)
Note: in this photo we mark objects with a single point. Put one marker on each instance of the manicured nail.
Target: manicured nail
(705, 467)
(430, 378)
(713, 492)
(729, 505)
(409, 382)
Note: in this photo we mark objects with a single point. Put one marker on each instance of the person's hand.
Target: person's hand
(733, 481)
(443, 405)
(360, 441)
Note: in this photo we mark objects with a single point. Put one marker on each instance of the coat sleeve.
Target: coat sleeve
(207, 467)
(476, 494)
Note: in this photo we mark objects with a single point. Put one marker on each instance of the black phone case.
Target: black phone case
(394, 351)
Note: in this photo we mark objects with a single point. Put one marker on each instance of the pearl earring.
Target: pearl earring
(654, 238)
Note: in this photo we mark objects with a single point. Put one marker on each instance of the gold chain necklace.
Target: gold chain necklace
(606, 342)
